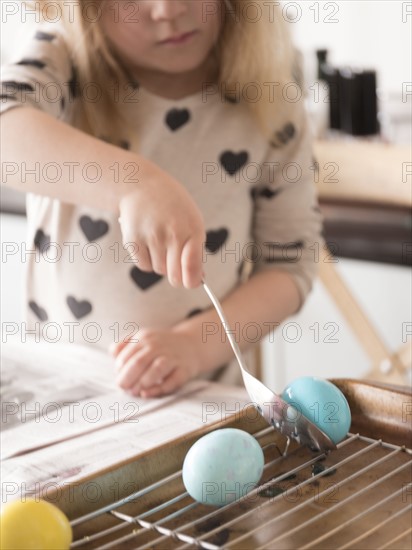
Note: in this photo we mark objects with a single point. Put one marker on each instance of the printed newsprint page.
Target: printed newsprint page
(64, 418)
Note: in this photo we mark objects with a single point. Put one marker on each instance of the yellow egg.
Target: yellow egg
(34, 524)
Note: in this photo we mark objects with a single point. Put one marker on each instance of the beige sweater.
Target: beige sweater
(258, 201)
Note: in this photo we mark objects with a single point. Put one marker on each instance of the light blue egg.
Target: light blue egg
(222, 466)
(322, 403)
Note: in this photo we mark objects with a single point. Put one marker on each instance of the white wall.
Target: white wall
(385, 294)
(363, 34)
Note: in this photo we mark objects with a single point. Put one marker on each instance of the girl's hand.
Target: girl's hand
(166, 226)
(159, 363)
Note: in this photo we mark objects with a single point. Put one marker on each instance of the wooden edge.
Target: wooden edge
(380, 411)
(345, 383)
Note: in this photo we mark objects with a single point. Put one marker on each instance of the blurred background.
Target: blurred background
(356, 69)
(362, 35)
(361, 303)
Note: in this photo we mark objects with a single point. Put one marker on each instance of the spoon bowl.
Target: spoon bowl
(277, 412)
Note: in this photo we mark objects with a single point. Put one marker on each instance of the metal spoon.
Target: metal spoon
(277, 412)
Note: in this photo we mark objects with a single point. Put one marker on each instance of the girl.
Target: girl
(162, 141)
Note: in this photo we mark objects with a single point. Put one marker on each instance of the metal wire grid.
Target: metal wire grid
(181, 523)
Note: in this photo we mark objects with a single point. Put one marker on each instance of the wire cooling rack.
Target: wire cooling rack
(358, 496)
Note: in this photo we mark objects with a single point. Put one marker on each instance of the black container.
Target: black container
(322, 56)
(358, 106)
(353, 106)
(332, 77)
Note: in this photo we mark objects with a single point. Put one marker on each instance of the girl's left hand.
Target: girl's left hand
(158, 362)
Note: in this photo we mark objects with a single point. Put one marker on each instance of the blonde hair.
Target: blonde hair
(254, 52)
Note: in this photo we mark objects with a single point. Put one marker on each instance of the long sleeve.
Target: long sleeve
(287, 224)
(41, 75)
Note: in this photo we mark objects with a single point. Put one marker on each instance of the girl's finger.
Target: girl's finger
(158, 258)
(126, 352)
(158, 371)
(130, 374)
(142, 257)
(192, 262)
(116, 347)
(134, 247)
(174, 269)
(169, 385)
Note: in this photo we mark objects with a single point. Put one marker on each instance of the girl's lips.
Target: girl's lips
(179, 38)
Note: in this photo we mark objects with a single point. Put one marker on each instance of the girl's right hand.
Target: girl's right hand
(160, 217)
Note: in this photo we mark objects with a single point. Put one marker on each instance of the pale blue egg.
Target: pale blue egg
(322, 403)
(222, 466)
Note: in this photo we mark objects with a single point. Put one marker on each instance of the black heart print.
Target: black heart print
(280, 246)
(41, 240)
(283, 249)
(32, 63)
(176, 118)
(265, 192)
(78, 308)
(232, 162)
(254, 193)
(194, 312)
(134, 84)
(232, 99)
(283, 136)
(8, 96)
(13, 86)
(38, 311)
(216, 239)
(124, 144)
(144, 279)
(74, 90)
(40, 35)
(93, 229)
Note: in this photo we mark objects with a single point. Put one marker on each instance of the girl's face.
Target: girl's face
(170, 36)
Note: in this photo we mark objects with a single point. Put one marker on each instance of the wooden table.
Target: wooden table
(365, 196)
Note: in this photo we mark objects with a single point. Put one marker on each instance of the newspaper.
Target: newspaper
(63, 417)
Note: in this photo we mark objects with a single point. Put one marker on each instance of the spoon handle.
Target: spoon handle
(226, 327)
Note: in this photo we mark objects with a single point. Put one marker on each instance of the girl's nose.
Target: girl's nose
(167, 10)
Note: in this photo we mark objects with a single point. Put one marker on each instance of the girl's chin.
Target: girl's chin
(173, 67)
(179, 68)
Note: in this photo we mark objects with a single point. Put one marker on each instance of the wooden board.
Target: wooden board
(364, 172)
